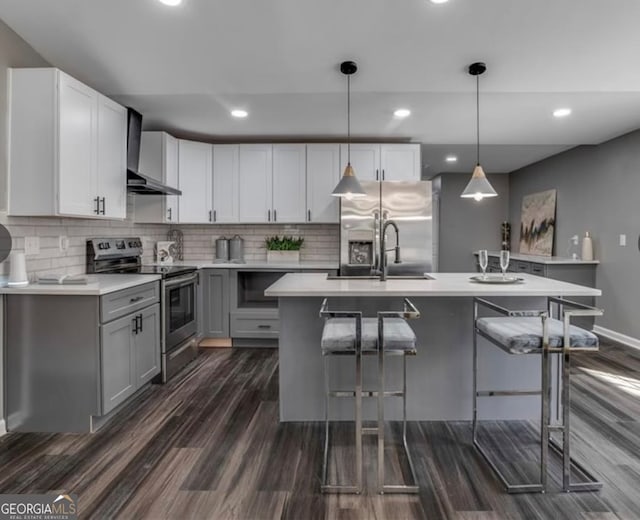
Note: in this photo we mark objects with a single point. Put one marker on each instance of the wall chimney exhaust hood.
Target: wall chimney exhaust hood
(138, 182)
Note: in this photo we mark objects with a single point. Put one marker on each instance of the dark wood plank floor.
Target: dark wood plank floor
(209, 445)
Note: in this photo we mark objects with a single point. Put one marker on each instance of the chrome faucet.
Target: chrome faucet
(384, 250)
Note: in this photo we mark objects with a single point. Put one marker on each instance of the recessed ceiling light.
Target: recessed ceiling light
(239, 113)
(172, 3)
(439, 1)
(402, 112)
(561, 112)
(451, 158)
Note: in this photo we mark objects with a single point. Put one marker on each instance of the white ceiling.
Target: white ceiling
(185, 67)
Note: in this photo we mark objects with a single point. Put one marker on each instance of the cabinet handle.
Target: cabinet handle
(97, 201)
(210, 218)
(377, 175)
(134, 322)
(104, 206)
(136, 299)
(264, 326)
(215, 217)
(382, 174)
(139, 318)
(309, 215)
(275, 216)
(169, 213)
(268, 215)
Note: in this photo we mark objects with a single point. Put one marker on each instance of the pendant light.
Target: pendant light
(349, 186)
(479, 186)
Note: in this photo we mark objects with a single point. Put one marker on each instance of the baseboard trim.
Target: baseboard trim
(3, 427)
(617, 337)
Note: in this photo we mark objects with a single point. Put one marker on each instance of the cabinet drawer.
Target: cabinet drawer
(537, 269)
(120, 303)
(254, 326)
(522, 267)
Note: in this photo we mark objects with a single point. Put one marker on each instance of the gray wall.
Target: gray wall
(598, 190)
(464, 225)
(14, 52)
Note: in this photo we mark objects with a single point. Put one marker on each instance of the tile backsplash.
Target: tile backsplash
(321, 240)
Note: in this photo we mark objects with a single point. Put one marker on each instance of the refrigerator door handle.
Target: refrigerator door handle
(376, 237)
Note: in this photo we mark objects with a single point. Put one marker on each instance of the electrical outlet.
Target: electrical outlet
(63, 243)
(31, 245)
(623, 240)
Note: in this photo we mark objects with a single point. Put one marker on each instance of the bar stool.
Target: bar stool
(536, 332)
(347, 333)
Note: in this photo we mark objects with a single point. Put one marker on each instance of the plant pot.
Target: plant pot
(283, 257)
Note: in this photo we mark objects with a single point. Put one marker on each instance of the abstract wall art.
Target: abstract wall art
(538, 223)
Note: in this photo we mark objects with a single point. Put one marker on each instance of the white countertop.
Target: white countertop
(444, 284)
(544, 259)
(203, 264)
(98, 285)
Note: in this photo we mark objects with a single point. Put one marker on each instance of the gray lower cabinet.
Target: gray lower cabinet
(215, 300)
(232, 303)
(130, 355)
(147, 346)
(118, 363)
(72, 359)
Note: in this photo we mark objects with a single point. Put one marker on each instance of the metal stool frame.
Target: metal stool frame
(563, 401)
(409, 312)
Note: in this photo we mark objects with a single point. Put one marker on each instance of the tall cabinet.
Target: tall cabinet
(323, 174)
(256, 177)
(289, 183)
(226, 183)
(80, 136)
(194, 166)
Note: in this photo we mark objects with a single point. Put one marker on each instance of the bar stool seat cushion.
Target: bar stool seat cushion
(522, 335)
(339, 334)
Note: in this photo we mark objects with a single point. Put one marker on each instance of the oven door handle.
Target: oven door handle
(182, 281)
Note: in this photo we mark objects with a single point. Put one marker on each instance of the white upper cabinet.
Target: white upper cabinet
(255, 174)
(77, 127)
(365, 159)
(289, 183)
(384, 162)
(80, 138)
(400, 162)
(226, 202)
(195, 167)
(159, 160)
(323, 174)
(112, 158)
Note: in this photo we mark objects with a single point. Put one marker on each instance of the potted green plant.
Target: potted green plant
(283, 249)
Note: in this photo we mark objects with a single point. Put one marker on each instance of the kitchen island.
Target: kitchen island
(440, 376)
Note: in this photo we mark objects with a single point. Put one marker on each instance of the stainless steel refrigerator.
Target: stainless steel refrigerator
(409, 205)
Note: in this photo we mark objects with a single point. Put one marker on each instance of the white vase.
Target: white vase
(587, 247)
(283, 257)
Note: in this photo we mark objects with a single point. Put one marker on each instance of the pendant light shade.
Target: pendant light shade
(479, 186)
(349, 186)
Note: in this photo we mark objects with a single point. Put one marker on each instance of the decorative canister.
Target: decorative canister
(222, 249)
(236, 246)
(587, 247)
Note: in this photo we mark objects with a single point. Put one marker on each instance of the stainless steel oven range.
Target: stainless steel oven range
(178, 296)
